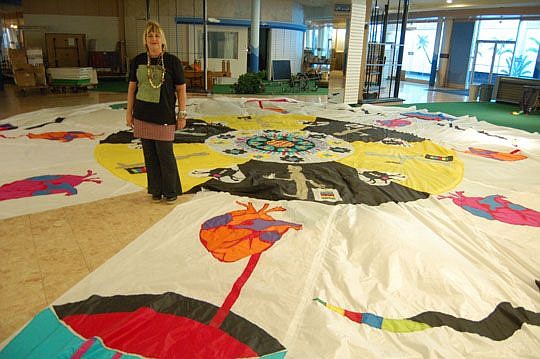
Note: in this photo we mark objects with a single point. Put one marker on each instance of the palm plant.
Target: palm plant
(536, 47)
(422, 44)
(518, 67)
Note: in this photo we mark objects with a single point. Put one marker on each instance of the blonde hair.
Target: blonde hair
(153, 26)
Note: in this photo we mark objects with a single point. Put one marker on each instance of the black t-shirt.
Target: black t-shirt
(162, 112)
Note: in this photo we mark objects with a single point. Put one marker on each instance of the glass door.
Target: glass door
(492, 58)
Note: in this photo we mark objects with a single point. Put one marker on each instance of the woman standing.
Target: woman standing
(156, 80)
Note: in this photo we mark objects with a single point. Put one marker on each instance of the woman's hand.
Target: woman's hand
(129, 120)
(181, 120)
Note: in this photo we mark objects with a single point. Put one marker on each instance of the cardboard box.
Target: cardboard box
(24, 78)
(17, 58)
(26, 67)
(34, 52)
(34, 56)
(40, 75)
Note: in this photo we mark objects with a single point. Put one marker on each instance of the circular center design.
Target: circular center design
(281, 146)
(280, 143)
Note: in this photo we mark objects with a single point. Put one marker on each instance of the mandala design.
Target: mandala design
(297, 157)
(281, 146)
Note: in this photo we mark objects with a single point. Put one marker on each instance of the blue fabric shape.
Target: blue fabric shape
(478, 212)
(47, 337)
(516, 207)
(490, 201)
(271, 236)
(43, 337)
(44, 178)
(50, 187)
(277, 355)
(217, 221)
(372, 320)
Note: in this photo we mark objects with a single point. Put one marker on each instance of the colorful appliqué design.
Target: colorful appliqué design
(398, 122)
(429, 116)
(506, 318)
(239, 234)
(281, 146)
(62, 136)
(122, 326)
(496, 207)
(501, 156)
(46, 184)
(7, 127)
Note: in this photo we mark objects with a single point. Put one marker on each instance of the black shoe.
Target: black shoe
(171, 199)
(156, 197)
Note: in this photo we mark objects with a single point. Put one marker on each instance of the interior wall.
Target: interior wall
(181, 38)
(72, 7)
(460, 50)
(92, 26)
(286, 45)
(318, 13)
(275, 10)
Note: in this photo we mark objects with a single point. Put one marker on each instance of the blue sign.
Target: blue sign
(342, 8)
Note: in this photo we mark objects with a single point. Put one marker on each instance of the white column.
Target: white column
(254, 42)
(354, 53)
(441, 80)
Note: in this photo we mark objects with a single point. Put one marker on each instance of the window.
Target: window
(318, 38)
(498, 29)
(221, 45)
(419, 45)
(527, 47)
(507, 47)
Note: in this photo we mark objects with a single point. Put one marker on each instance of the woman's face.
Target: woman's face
(154, 42)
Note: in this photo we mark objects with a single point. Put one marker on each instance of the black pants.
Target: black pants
(161, 168)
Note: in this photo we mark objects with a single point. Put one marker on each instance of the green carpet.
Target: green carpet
(496, 113)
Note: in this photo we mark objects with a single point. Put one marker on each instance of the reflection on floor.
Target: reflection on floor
(44, 254)
(410, 92)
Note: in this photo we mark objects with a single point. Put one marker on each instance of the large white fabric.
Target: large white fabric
(393, 260)
(396, 260)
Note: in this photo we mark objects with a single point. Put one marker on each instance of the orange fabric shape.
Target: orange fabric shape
(239, 234)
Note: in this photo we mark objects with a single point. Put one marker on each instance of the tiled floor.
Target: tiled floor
(46, 253)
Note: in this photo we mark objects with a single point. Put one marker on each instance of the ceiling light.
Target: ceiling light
(449, 1)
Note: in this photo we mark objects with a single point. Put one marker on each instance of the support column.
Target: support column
(254, 42)
(205, 45)
(435, 56)
(401, 46)
(441, 80)
(355, 44)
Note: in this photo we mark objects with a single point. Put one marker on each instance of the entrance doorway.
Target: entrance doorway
(491, 59)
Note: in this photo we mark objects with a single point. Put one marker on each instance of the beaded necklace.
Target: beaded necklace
(150, 73)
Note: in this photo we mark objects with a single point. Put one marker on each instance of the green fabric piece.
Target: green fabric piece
(403, 325)
(145, 91)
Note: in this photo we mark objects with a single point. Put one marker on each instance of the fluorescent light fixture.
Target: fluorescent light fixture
(449, 1)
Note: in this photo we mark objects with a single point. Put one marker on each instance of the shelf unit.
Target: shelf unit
(383, 68)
